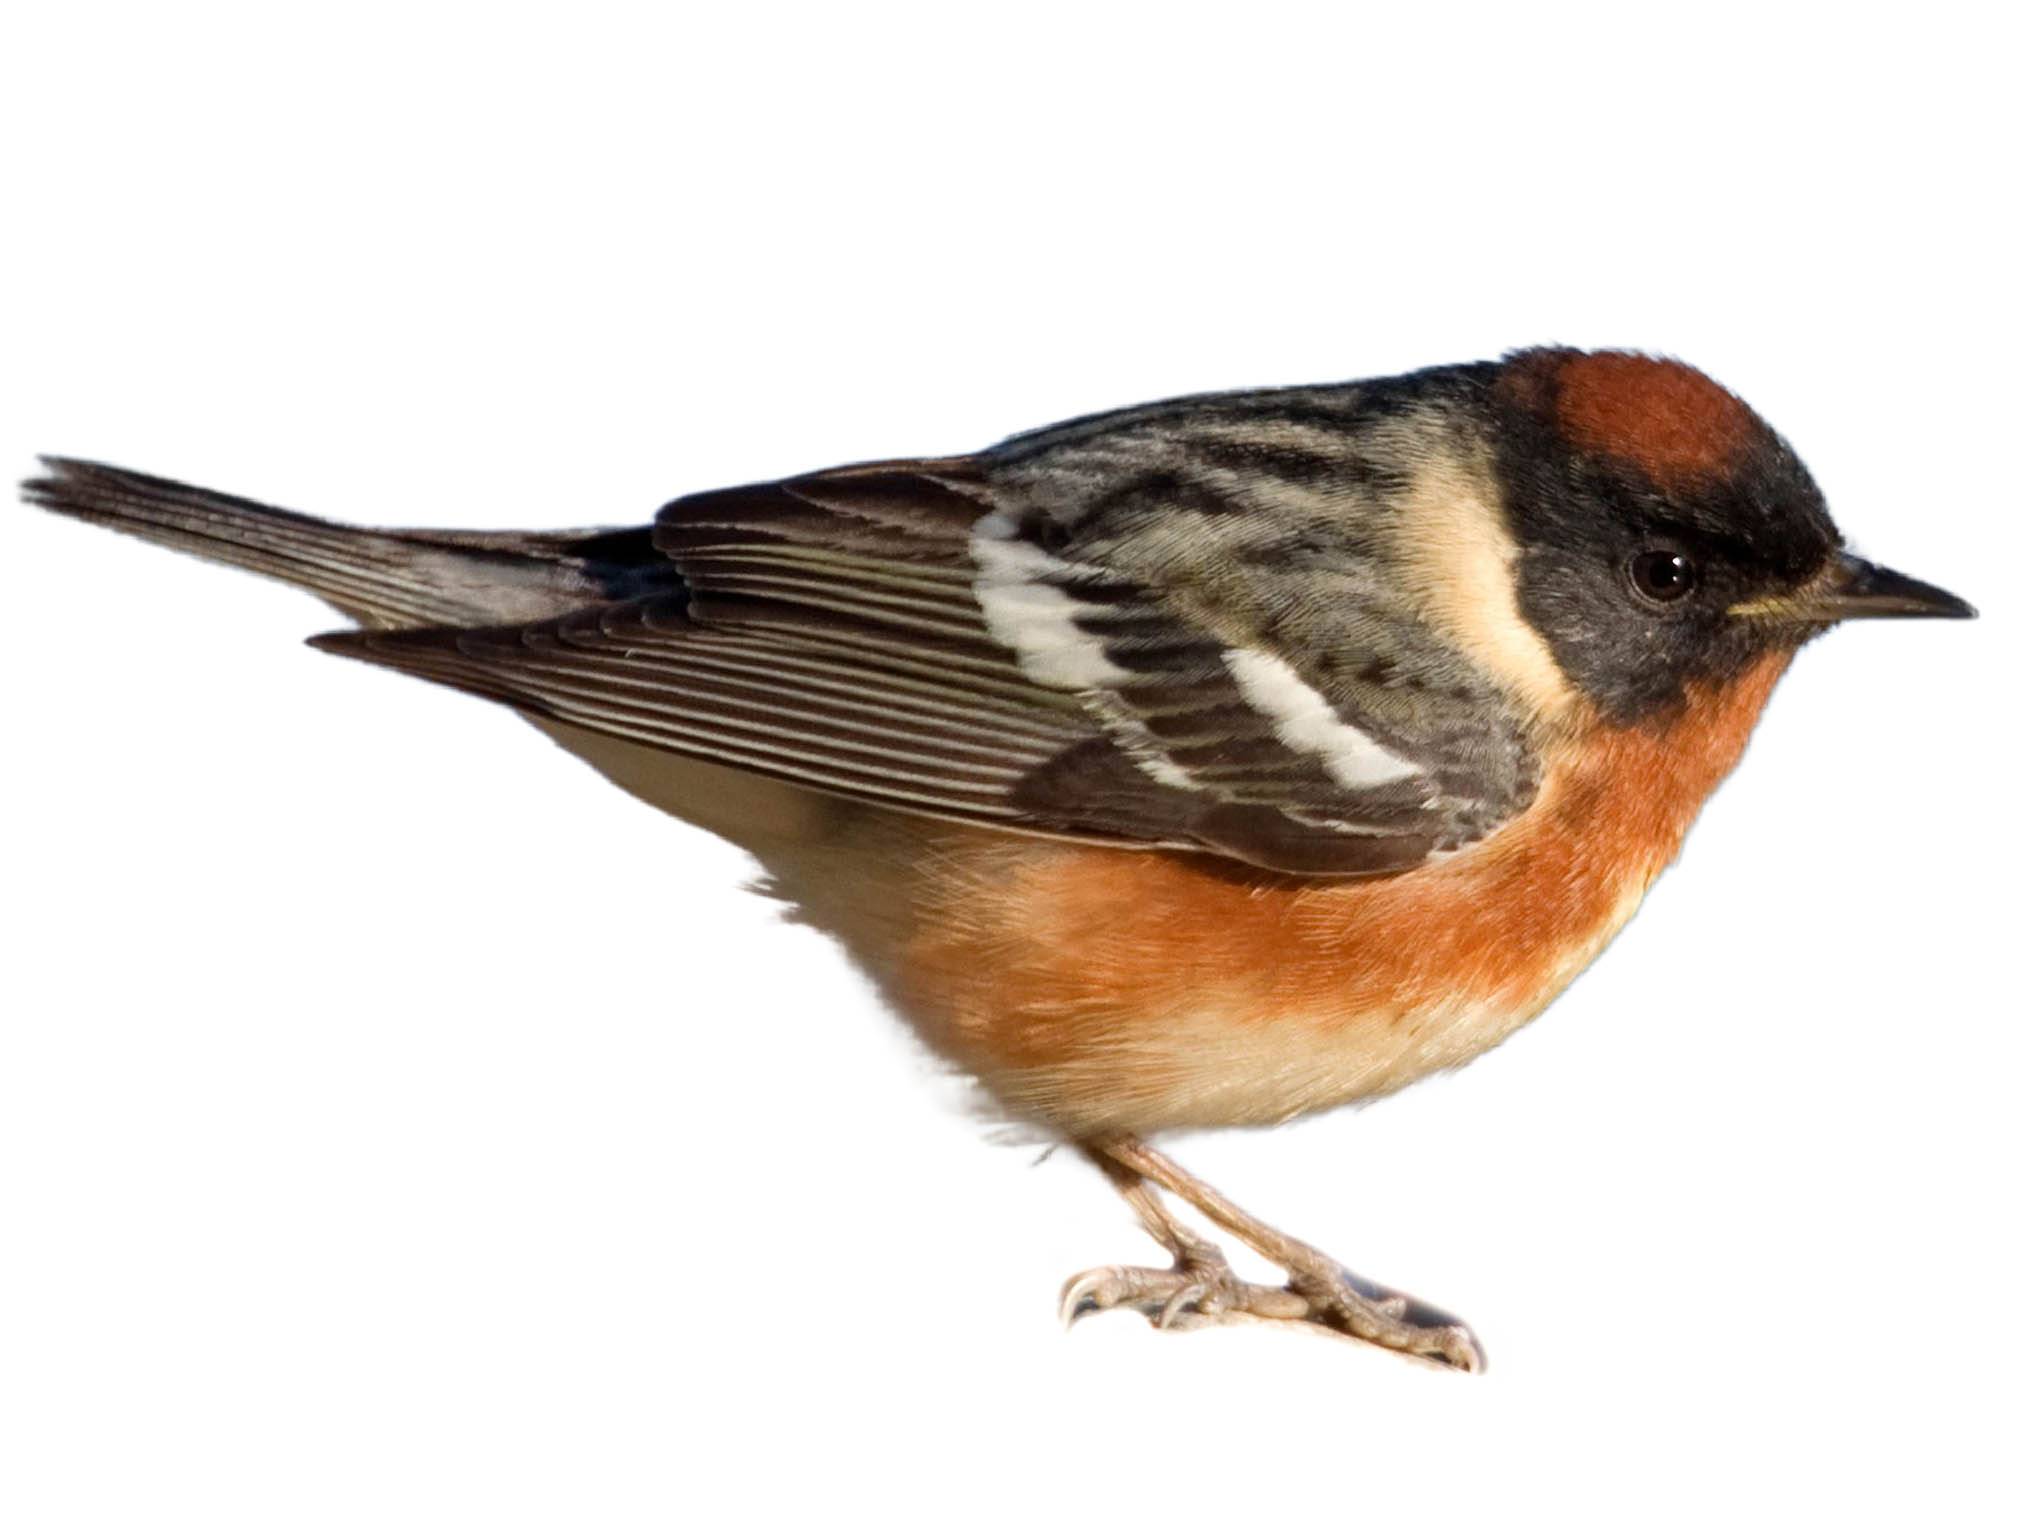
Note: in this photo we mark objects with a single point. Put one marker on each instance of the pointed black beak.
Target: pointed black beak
(1852, 589)
(1859, 590)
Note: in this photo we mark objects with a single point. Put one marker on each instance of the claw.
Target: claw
(1100, 1289)
(1080, 1296)
(1462, 1350)
(1193, 1297)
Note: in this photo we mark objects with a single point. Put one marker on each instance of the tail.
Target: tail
(387, 580)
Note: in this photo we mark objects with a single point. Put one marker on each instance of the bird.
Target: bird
(1206, 763)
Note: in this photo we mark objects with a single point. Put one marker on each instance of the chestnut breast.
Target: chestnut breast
(1100, 989)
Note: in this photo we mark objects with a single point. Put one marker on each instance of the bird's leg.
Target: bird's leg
(1200, 1287)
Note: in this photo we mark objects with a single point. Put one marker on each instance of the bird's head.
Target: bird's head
(1665, 534)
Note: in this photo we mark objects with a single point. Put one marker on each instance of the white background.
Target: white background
(394, 1116)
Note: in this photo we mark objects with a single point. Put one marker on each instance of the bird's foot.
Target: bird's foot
(1337, 1300)
(1197, 1289)
(1200, 1289)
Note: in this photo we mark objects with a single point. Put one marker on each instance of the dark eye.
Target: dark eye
(1663, 575)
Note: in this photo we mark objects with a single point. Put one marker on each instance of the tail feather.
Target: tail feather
(383, 579)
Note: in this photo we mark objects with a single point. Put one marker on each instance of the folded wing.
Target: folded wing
(888, 634)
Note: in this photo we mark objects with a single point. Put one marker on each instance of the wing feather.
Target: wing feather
(893, 634)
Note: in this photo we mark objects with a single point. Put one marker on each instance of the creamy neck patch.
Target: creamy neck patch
(1458, 559)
